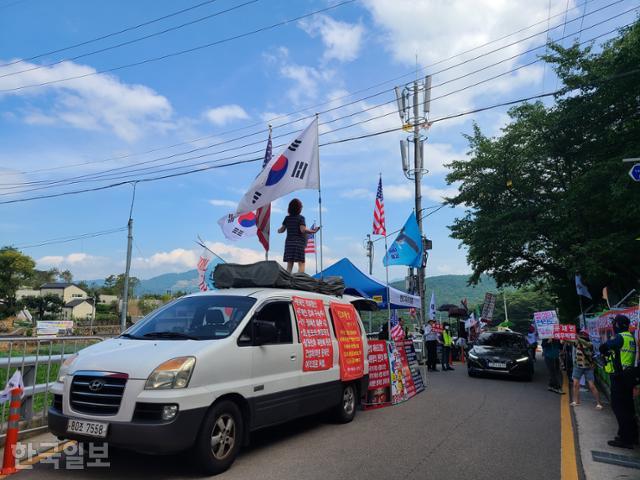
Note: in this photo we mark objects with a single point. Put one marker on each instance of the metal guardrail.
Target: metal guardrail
(35, 358)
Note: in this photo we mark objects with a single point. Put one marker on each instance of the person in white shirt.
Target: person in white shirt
(532, 340)
(431, 342)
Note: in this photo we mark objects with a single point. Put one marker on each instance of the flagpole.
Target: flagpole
(386, 271)
(319, 197)
(315, 252)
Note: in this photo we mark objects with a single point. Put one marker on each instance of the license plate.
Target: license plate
(497, 365)
(92, 429)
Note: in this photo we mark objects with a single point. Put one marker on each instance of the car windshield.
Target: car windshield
(203, 317)
(500, 340)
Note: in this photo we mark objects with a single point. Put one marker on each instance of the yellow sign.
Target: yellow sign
(377, 298)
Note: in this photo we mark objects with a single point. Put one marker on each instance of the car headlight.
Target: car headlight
(64, 368)
(472, 356)
(523, 359)
(174, 373)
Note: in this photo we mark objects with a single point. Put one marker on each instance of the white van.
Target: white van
(201, 373)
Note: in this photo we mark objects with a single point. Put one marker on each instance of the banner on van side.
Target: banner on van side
(349, 336)
(315, 337)
(378, 393)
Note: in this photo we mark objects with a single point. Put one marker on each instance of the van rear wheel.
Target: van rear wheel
(219, 439)
(346, 409)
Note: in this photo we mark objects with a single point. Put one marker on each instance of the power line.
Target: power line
(359, 137)
(312, 107)
(182, 52)
(112, 34)
(82, 236)
(436, 207)
(103, 174)
(130, 42)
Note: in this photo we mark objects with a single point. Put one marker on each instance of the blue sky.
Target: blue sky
(215, 95)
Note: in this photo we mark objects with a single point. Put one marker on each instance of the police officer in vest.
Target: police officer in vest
(621, 351)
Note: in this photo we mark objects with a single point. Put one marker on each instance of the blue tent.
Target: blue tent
(362, 284)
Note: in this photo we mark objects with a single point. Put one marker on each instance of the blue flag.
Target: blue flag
(407, 247)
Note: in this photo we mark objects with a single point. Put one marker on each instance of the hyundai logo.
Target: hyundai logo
(96, 385)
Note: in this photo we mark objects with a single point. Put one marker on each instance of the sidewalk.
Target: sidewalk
(593, 429)
(30, 447)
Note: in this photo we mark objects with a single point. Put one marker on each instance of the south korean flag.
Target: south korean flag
(237, 227)
(297, 168)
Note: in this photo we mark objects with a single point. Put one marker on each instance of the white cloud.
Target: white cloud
(438, 30)
(342, 40)
(224, 203)
(177, 260)
(96, 102)
(225, 114)
(357, 193)
(399, 192)
(439, 194)
(306, 80)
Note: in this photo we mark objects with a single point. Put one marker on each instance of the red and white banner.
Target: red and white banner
(345, 321)
(315, 337)
(379, 391)
(564, 332)
(437, 328)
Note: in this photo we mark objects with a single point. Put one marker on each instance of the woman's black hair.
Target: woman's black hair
(295, 207)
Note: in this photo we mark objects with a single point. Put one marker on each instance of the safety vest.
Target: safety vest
(626, 356)
(446, 338)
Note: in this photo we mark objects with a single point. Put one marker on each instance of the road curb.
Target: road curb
(568, 451)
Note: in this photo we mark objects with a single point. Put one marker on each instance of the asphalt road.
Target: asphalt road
(459, 428)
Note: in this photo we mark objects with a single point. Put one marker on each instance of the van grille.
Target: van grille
(97, 393)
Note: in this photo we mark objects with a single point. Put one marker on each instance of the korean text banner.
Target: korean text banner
(315, 337)
(379, 390)
(545, 322)
(345, 321)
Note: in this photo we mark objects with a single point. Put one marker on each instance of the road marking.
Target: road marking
(568, 462)
(41, 456)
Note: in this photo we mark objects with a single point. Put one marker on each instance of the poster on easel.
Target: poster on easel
(379, 391)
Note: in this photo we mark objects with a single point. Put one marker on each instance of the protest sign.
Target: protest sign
(315, 337)
(345, 322)
(604, 320)
(412, 362)
(544, 323)
(437, 328)
(488, 307)
(378, 394)
(564, 332)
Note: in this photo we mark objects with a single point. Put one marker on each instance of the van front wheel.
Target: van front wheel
(346, 409)
(219, 439)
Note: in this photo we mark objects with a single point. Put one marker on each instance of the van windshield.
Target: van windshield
(205, 317)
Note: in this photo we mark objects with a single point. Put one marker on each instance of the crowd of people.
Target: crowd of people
(620, 359)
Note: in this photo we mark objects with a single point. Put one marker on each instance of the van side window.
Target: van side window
(276, 313)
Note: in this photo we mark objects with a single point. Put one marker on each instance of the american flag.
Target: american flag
(311, 242)
(263, 214)
(378, 213)
(397, 333)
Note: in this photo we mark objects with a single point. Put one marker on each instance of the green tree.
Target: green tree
(66, 276)
(48, 304)
(550, 197)
(16, 270)
(114, 285)
(40, 277)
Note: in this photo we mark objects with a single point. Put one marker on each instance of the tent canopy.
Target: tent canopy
(359, 283)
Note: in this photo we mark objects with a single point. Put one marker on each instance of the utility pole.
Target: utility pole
(125, 293)
(409, 100)
(369, 249)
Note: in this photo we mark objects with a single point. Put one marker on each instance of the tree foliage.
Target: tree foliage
(42, 305)
(550, 197)
(15, 270)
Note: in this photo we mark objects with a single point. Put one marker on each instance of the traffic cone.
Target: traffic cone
(9, 461)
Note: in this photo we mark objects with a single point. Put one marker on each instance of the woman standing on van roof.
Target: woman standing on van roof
(296, 241)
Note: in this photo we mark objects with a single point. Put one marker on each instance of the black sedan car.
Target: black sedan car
(500, 353)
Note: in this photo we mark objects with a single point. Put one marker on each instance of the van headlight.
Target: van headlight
(523, 359)
(472, 356)
(174, 373)
(64, 368)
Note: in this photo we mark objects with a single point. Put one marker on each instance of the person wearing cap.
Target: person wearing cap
(621, 352)
(431, 342)
(584, 365)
